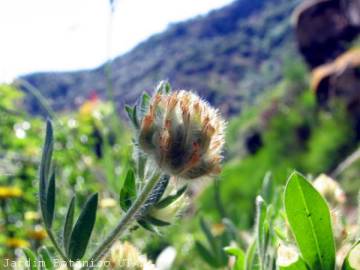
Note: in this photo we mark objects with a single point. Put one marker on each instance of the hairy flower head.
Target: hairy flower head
(125, 256)
(183, 134)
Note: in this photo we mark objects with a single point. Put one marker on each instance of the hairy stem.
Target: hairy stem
(58, 249)
(124, 222)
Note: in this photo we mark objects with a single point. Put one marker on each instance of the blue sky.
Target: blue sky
(43, 35)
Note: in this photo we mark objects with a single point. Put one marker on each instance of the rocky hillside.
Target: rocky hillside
(229, 56)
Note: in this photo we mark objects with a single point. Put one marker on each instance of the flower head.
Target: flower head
(125, 256)
(183, 134)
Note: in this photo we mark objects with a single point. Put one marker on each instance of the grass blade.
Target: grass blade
(46, 258)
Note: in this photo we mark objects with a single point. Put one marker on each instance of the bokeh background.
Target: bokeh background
(284, 73)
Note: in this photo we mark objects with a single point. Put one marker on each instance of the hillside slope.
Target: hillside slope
(229, 56)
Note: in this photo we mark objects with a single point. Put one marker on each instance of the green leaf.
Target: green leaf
(206, 254)
(81, 233)
(239, 255)
(250, 257)
(135, 117)
(31, 257)
(262, 228)
(145, 100)
(163, 87)
(132, 114)
(158, 190)
(211, 239)
(45, 167)
(68, 225)
(157, 222)
(310, 222)
(128, 192)
(50, 199)
(147, 226)
(46, 258)
(129, 110)
(170, 199)
(268, 188)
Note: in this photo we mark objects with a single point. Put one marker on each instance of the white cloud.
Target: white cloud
(41, 35)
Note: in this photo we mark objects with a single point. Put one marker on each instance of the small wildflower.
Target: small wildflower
(125, 256)
(10, 192)
(330, 189)
(183, 134)
(16, 243)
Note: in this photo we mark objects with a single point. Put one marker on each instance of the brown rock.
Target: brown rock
(325, 27)
(340, 79)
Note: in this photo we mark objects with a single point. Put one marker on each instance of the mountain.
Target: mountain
(229, 56)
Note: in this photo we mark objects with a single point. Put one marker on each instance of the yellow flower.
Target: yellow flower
(17, 243)
(38, 233)
(124, 256)
(10, 192)
(183, 134)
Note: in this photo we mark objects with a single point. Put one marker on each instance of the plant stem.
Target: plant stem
(124, 222)
(58, 249)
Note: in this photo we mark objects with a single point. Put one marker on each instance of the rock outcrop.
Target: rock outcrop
(340, 79)
(324, 28)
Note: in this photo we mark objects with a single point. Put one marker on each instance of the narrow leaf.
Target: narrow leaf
(170, 199)
(46, 258)
(147, 226)
(45, 167)
(128, 191)
(262, 230)
(68, 225)
(158, 190)
(31, 257)
(50, 200)
(206, 254)
(268, 188)
(211, 239)
(157, 222)
(81, 233)
(250, 257)
(310, 222)
(129, 110)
